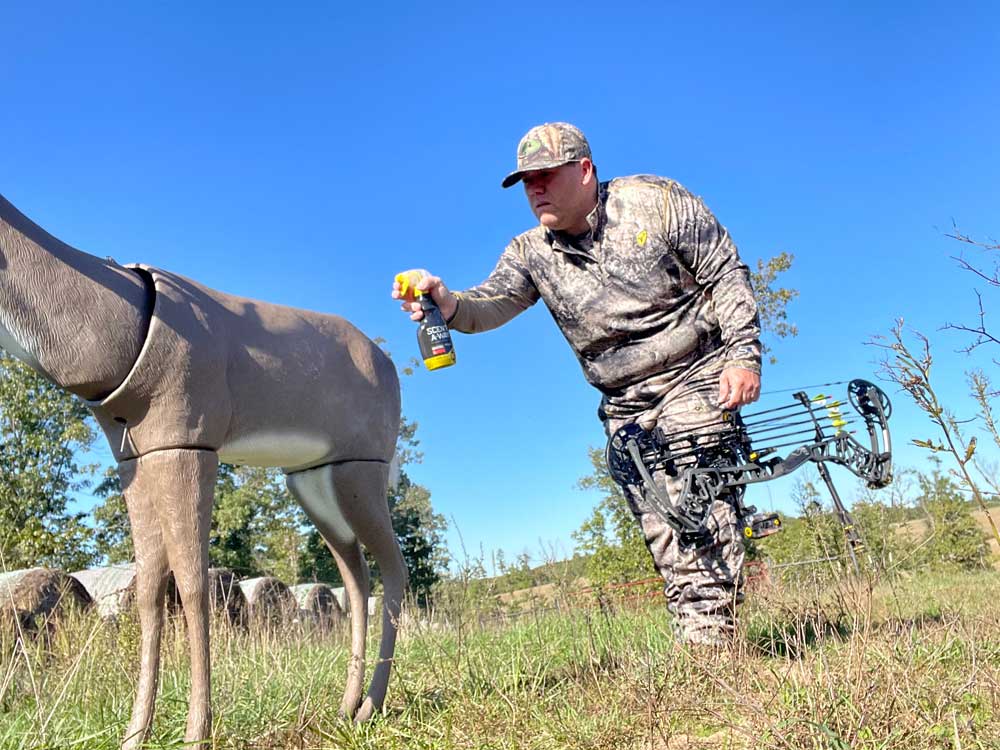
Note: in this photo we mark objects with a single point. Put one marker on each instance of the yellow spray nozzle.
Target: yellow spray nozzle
(409, 279)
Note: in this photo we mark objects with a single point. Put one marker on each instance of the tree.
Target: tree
(883, 547)
(112, 533)
(420, 532)
(772, 301)
(954, 539)
(611, 536)
(816, 540)
(879, 515)
(317, 563)
(257, 526)
(516, 575)
(42, 429)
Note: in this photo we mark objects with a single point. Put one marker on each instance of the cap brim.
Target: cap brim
(512, 179)
(515, 177)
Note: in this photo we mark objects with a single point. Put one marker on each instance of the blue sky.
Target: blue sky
(303, 154)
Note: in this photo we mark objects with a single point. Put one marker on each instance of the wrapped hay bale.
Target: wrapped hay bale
(317, 604)
(268, 599)
(34, 599)
(226, 595)
(113, 588)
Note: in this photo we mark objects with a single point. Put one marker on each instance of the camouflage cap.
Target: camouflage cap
(545, 146)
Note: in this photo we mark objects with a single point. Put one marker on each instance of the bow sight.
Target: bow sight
(720, 459)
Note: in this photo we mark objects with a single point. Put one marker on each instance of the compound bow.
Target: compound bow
(722, 459)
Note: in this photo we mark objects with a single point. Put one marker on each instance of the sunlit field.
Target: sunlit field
(915, 664)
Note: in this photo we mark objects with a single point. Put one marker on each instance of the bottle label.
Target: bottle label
(437, 333)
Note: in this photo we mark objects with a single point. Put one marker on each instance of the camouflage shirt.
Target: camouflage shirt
(654, 294)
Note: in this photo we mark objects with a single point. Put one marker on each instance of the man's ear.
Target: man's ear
(587, 171)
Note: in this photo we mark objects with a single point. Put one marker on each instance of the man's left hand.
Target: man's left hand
(738, 387)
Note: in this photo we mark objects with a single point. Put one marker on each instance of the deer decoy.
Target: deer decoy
(179, 377)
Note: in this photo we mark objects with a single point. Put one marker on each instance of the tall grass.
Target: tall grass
(912, 665)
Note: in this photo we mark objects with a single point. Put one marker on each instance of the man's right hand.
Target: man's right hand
(421, 279)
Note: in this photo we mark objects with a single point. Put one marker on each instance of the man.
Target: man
(650, 293)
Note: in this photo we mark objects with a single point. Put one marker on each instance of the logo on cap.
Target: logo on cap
(530, 146)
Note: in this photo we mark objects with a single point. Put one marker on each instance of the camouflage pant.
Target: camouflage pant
(703, 584)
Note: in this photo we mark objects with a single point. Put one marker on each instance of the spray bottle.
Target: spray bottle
(433, 336)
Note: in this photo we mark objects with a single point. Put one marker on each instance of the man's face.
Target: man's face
(562, 197)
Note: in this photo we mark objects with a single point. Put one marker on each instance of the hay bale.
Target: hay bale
(317, 604)
(341, 594)
(37, 597)
(226, 595)
(113, 589)
(374, 603)
(268, 599)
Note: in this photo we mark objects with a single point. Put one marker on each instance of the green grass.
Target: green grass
(914, 665)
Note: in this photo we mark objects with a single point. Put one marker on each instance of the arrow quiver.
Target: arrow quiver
(721, 460)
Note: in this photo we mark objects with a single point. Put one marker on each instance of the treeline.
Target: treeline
(927, 522)
(933, 528)
(257, 527)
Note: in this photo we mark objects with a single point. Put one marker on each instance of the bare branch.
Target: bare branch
(962, 237)
(912, 372)
(980, 333)
(993, 280)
